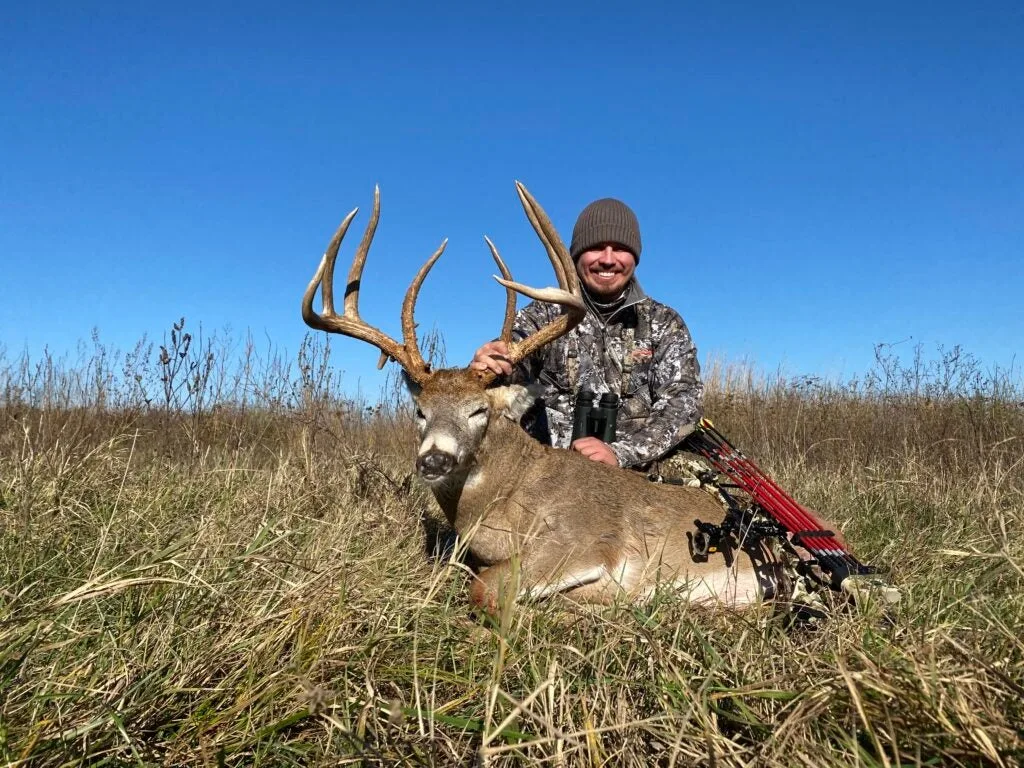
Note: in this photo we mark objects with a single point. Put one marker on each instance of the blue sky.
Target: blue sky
(811, 178)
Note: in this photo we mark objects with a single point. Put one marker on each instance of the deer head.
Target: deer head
(454, 407)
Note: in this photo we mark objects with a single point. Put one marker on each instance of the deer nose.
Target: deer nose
(434, 464)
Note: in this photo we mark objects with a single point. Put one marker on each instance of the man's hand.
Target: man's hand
(492, 356)
(595, 450)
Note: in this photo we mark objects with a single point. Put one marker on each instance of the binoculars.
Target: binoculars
(593, 417)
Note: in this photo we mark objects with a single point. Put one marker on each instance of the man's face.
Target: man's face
(605, 269)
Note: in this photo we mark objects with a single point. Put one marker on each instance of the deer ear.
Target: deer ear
(513, 401)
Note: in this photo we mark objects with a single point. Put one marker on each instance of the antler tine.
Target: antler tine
(561, 261)
(326, 271)
(355, 273)
(349, 323)
(510, 295)
(575, 311)
(409, 307)
(568, 295)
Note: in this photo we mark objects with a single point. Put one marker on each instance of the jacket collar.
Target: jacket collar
(634, 295)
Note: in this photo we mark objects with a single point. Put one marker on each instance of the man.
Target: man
(628, 344)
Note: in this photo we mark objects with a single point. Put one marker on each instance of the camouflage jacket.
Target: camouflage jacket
(642, 352)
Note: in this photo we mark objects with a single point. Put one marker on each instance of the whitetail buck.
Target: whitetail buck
(540, 520)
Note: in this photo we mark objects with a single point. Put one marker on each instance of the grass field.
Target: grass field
(214, 561)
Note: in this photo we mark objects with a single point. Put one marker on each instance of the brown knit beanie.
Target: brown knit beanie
(606, 221)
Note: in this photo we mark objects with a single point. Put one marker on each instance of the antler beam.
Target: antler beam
(567, 295)
(407, 354)
(349, 323)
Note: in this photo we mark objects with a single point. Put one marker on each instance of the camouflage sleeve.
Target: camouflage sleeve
(677, 394)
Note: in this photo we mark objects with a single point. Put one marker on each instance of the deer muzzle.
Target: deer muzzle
(435, 465)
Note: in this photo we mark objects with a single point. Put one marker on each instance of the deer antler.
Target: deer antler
(567, 295)
(349, 323)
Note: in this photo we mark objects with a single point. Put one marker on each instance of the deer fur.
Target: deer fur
(542, 520)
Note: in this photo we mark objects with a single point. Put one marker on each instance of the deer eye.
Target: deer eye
(420, 415)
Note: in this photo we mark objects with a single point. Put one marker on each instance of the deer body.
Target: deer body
(606, 534)
(540, 520)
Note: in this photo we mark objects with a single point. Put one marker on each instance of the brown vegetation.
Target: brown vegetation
(210, 560)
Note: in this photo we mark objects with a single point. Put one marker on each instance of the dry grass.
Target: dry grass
(227, 564)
